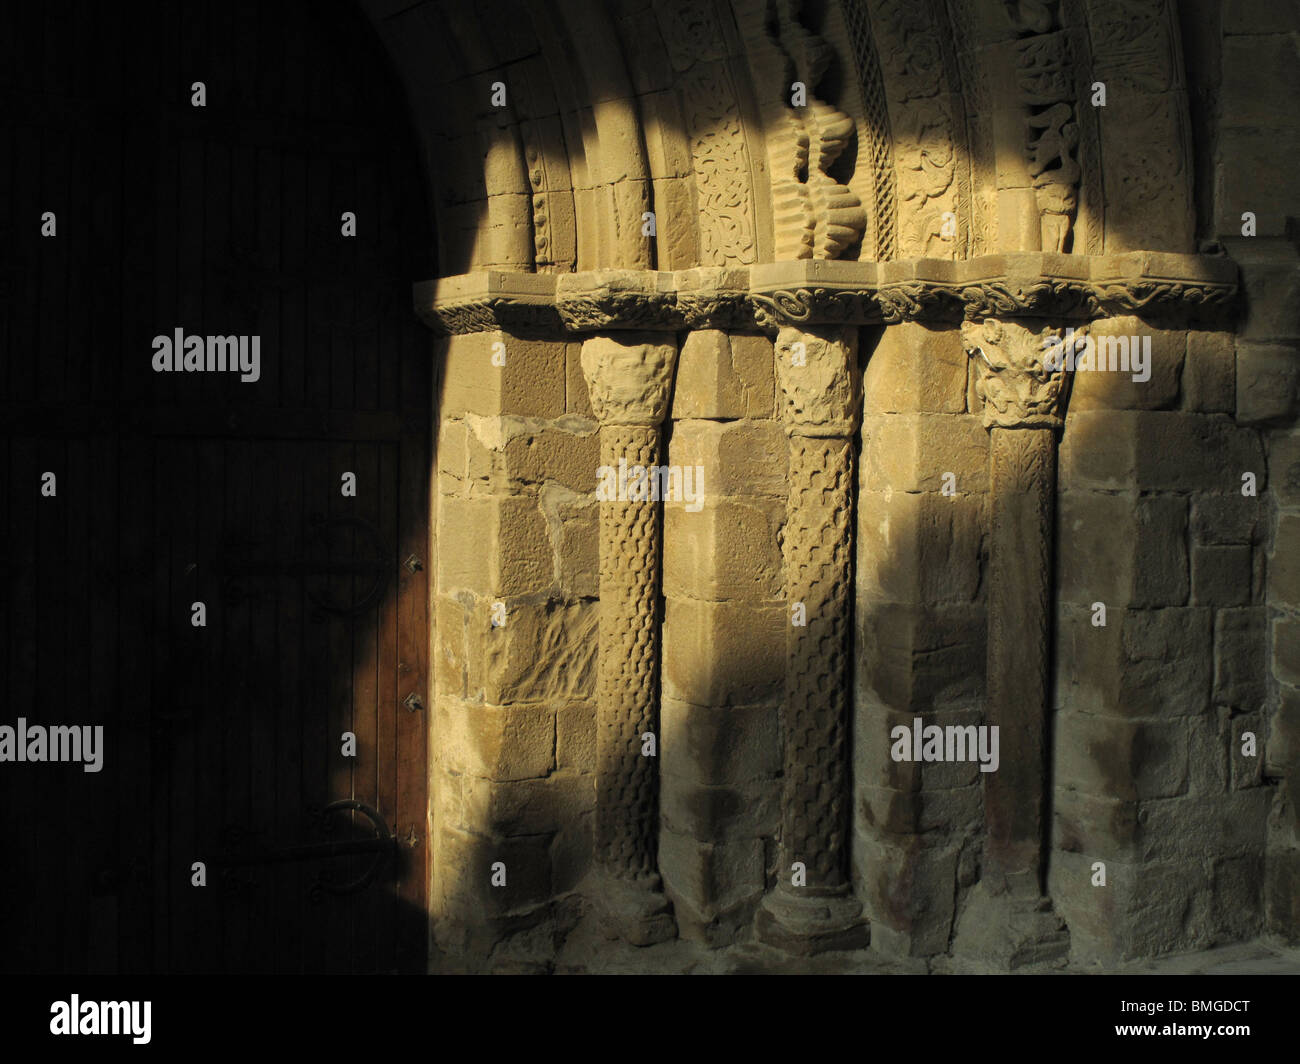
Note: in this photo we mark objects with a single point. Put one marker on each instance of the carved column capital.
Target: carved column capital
(1022, 371)
(630, 377)
(818, 371)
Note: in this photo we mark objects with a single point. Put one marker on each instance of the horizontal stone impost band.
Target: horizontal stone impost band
(827, 292)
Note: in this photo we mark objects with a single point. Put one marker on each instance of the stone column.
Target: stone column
(629, 377)
(817, 370)
(1023, 390)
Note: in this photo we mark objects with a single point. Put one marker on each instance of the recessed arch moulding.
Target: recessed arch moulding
(816, 250)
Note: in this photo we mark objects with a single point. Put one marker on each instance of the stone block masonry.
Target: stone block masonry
(911, 518)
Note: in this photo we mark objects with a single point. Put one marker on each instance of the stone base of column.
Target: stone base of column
(808, 924)
(636, 910)
(1011, 930)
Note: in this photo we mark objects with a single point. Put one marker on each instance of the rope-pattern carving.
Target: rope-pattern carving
(629, 654)
(816, 553)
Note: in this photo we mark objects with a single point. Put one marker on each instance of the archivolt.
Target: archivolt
(928, 129)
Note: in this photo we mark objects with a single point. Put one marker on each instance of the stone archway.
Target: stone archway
(632, 206)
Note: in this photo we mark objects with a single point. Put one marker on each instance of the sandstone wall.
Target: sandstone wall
(1174, 506)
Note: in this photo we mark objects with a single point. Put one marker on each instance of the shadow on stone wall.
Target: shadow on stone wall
(1147, 712)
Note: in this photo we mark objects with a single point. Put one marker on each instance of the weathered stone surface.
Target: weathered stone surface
(569, 458)
(495, 742)
(506, 455)
(1240, 658)
(1247, 769)
(1157, 451)
(573, 524)
(465, 521)
(727, 550)
(1122, 550)
(711, 876)
(720, 812)
(1226, 519)
(1286, 650)
(531, 383)
(496, 545)
(463, 885)
(915, 367)
(1120, 758)
(1282, 751)
(1284, 468)
(1269, 269)
(571, 852)
(886, 812)
(1282, 894)
(575, 737)
(920, 548)
(577, 398)
(1209, 752)
(1284, 562)
(1257, 71)
(911, 452)
(1143, 910)
(1210, 373)
(1252, 17)
(450, 659)
(719, 744)
(1161, 829)
(544, 652)
(873, 767)
(524, 807)
(1143, 663)
(724, 377)
(724, 653)
(1222, 576)
(738, 457)
(907, 891)
(1127, 341)
(912, 657)
(1268, 381)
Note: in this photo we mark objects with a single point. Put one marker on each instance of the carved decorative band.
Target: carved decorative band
(802, 293)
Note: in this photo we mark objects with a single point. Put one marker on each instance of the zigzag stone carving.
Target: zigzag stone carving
(630, 379)
(819, 381)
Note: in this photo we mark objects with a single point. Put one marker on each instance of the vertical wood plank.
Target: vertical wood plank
(140, 909)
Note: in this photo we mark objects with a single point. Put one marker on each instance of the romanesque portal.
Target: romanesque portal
(832, 501)
(963, 644)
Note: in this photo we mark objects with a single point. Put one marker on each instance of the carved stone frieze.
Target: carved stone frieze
(719, 155)
(926, 146)
(1044, 76)
(1027, 284)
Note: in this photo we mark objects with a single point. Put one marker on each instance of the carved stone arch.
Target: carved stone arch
(607, 117)
(816, 169)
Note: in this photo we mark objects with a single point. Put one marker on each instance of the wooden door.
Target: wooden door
(223, 743)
